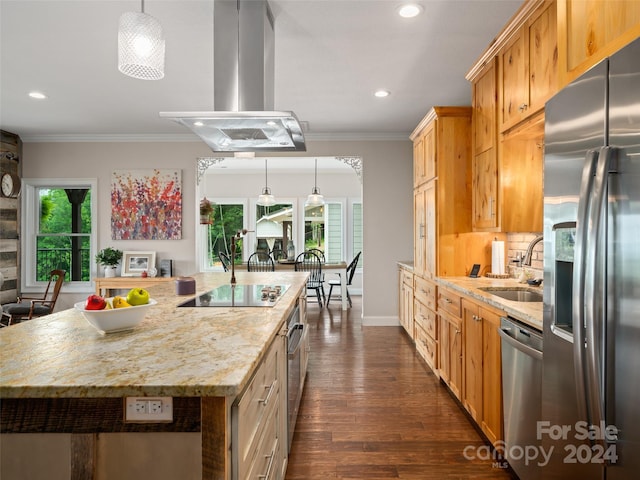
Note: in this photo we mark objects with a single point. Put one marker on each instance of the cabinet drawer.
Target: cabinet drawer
(265, 464)
(425, 292)
(427, 347)
(255, 405)
(426, 319)
(406, 277)
(449, 301)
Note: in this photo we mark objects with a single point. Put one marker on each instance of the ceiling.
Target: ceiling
(331, 55)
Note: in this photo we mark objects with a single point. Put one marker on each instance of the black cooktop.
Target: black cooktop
(238, 296)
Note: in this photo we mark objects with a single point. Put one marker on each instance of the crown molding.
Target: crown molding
(187, 137)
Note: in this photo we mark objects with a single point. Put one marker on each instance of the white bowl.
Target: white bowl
(115, 319)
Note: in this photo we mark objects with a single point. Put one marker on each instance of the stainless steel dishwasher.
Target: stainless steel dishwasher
(521, 394)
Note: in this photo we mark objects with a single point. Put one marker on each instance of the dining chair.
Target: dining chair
(260, 262)
(225, 260)
(351, 270)
(318, 252)
(310, 262)
(27, 308)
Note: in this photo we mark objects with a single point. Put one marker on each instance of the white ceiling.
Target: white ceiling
(330, 57)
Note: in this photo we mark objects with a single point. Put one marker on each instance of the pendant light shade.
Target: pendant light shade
(266, 199)
(140, 46)
(315, 199)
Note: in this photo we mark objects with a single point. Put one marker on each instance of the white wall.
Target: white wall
(387, 202)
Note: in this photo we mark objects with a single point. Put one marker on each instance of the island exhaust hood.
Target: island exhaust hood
(243, 68)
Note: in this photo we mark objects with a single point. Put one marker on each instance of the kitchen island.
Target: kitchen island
(63, 386)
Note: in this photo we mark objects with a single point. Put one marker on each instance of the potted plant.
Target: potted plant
(109, 258)
(206, 212)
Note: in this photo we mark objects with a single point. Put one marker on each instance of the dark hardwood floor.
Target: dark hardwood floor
(372, 409)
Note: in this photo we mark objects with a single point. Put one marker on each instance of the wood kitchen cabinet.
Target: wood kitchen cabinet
(424, 150)
(590, 30)
(528, 67)
(482, 392)
(485, 191)
(444, 242)
(425, 321)
(522, 157)
(405, 302)
(451, 340)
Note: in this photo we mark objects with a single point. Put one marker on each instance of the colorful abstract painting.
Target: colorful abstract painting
(146, 205)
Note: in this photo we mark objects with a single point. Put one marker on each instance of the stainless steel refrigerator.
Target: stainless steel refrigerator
(591, 362)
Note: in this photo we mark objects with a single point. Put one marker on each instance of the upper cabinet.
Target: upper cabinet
(528, 67)
(484, 109)
(424, 156)
(590, 30)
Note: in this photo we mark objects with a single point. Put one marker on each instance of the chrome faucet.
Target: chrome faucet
(527, 257)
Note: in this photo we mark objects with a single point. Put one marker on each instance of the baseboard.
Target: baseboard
(380, 321)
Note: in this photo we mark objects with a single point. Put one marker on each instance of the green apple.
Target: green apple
(138, 296)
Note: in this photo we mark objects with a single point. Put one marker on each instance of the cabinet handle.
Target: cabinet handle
(271, 458)
(272, 388)
(446, 300)
(491, 212)
(422, 230)
(457, 332)
(523, 107)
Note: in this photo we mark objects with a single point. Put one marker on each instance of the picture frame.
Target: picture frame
(136, 262)
(166, 267)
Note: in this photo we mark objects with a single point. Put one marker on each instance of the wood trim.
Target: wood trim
(215, 438)
(83, 456)
(505, 35)
(89, 415)
(437, 112)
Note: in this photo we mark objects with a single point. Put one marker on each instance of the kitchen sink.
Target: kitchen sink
(516, 294)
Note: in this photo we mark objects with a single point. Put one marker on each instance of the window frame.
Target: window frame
(202, 248)
(30, 217)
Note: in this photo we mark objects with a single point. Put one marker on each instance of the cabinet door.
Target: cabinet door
(444, 363)
(419, 231)
(431, 249)
(543, 57)
(596, 29)
(484, 111)
(491, 376)
(514, 80)
(419, 172)
(430, 159)
(456, 357)
(472, 328)
(485, 191)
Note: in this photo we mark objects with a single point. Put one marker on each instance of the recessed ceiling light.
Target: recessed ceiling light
(410, 10)
(37, 95)
(382, 93)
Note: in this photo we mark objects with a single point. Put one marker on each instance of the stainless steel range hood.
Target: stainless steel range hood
(243, 120)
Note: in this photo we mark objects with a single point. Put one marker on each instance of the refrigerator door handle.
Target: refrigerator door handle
(595, 289)
(578, 301)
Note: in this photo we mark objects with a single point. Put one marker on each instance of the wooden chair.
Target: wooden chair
(351, 270)
(260, 262)
(225, 260)
(310, 262)
(27, 308)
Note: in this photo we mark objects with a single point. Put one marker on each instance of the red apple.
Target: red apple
(95, 302)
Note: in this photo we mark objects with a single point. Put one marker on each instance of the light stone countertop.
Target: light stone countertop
(179, 352)
(529, 313)
(408, 264)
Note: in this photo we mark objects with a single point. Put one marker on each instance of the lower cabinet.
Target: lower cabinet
(451, 352)
(425, 321)
(259, 446)
(405, 302)
(482, 392)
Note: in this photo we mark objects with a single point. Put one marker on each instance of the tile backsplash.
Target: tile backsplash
(517, 244)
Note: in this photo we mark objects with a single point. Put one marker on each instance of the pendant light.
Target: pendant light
(315, 199)
(266, 199)
(140, 46)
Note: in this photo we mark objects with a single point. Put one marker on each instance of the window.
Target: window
(229, 217)
(59, 219)
(274, 229)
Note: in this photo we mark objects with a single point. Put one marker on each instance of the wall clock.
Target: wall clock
(10, 185)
